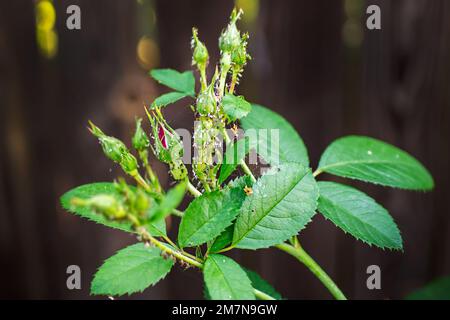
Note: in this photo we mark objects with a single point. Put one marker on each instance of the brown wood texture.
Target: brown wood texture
(393, 86)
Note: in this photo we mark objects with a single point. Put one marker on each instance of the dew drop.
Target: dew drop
(369, 152)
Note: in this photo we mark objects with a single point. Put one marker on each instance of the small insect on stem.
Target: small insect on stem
(248, 191)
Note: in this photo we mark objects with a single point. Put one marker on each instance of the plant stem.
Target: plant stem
(178, 213)
(193, 190)
(242, 162)
(247, 170)
(233, 80)
(179, 255)
(301, 255)
(148, 237)
(261, 295)
(142, 182)
(203, 78)
(316, 173)
(143, 155)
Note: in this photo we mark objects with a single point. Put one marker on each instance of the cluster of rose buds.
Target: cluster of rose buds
(210, 129)
(210, 119)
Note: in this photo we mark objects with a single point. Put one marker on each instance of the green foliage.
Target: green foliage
(235, 107)
(223, 240)
(234, 154)
(226, 280)
(437, 290)
(208, 215)
(358, 214)
(261, 284)
(248, 212)
(168, 98)
(88, 191)
(374, 161)
(131, 270)
(288, 148)
(271, 217)
(179, 81)
(170, 202)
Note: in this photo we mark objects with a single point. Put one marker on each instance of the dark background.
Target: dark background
(313, 61)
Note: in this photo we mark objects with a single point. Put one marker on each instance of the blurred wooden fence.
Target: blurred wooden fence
(394, 85)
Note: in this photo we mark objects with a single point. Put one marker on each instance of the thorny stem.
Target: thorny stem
(301, 255)
(183, 257)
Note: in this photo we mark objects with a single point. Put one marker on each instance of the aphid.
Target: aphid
(248, 191)
(234, 129)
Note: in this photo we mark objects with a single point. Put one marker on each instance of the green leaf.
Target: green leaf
(358, 214)
(436, 290)
(261, 284)
(235, 107)
(168, 98)
(130, 270)
(289, 147)
(223, 240)
(183, 82)
(283, 201)
(208, 215)
(170, 202)
(234, 153)
(226, 280)
(157, 228)
(374, 161)
(89, 190)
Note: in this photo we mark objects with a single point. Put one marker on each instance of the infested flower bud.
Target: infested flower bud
(115, 150)
(240, 56)
(168, 146)
(206, 101)
(104, 204)
(129, 164)
(230, 38)
(178, 170)
(225, 61)
(140, 140)
(200, 55)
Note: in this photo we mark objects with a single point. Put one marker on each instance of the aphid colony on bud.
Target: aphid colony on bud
(211, 121)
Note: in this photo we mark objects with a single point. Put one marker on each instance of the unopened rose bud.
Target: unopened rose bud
(112, 147)
(240, 56)
(129, 163)
(116, 150)
(206, 101)
(230, 38)
(140, 140)
(168, 146)
(200, 55)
